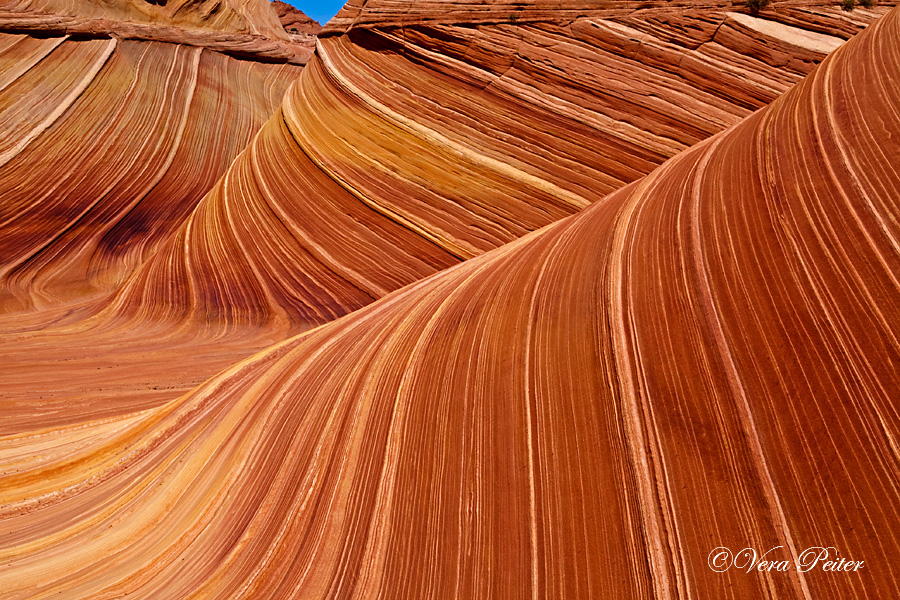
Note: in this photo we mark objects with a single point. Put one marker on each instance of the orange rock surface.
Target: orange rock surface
(402, 151)
(249, 29)
(107, 143)
(243, 16)
(581, 295)
(119, 142)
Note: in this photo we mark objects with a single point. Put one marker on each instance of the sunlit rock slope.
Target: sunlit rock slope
(418, 138)
(707, 357)
(399, 152)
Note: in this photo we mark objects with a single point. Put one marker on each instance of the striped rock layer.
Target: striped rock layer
(254, 17)
(707, 357)
(399, 152)
(407, 146)
(110, 134)
(106, 146)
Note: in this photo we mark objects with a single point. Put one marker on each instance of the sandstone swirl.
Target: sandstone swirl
(106, 146)
(399, 152)
(707, 357)
(110, 134)
(418, 138)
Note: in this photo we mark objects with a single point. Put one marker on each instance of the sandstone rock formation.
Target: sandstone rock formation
(401, 151)
(391, 159)
(110, 139)
(706, 357)
(582, 292)
(250, 29)
(107, 143)
(300, 28)
(119, 142)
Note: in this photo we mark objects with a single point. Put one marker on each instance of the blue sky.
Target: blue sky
(320, 10)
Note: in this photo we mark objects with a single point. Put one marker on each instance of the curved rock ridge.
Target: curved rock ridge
(363, 14)
(241, 45)
(706, 358)
(255, 17)
(403, 151)
(106, 146)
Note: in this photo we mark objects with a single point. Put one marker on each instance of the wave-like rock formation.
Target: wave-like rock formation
(412, 143)
(707, 357)
(110, 134)
(106, 147)
(390, 160)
